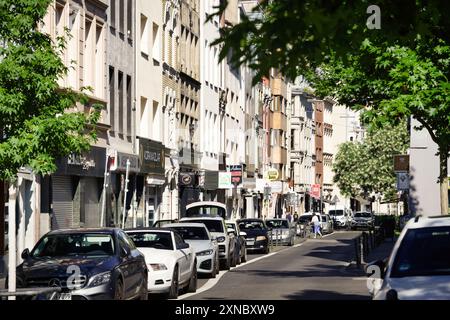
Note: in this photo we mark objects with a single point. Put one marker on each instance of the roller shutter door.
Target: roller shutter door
(62, 202)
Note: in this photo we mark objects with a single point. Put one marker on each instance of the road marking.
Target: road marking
(212, 282)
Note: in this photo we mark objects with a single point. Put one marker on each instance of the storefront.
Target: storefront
(120, 192)
(152, 159)
(76, 190)
(189, 189)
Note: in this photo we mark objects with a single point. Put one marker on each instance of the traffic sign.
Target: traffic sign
(335, 199)
(402, 181)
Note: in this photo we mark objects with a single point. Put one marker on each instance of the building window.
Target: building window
(144, 35)
(99, 62)
(129, 115)
(120, 91)
(156, 43)
(130, 19)
(121, 15)
(112, 91)
(113, 13)
(89, 54)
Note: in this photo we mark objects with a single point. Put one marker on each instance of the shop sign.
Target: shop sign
(151, 156)
(272, 174)
(187, 178)
(225, 180)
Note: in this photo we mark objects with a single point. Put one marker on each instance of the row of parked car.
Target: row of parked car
(111, 263)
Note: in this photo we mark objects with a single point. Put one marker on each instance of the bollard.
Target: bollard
(276, 237)
(358, 260)
(361, 248)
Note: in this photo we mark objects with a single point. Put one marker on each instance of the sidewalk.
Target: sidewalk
(381, 252)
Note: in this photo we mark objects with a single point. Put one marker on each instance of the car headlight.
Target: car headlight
(158, 266)
(261, 238)
(205, 252)
(100, 279)
(220, 239)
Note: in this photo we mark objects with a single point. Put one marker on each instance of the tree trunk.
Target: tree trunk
(443, 179)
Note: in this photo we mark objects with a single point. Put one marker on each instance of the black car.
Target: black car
(86, 264)
(241, 242)
(257, 238)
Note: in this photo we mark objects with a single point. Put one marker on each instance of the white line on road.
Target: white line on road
(212, 282)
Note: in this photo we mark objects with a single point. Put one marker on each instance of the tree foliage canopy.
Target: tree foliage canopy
(34, 119)
(362, 169)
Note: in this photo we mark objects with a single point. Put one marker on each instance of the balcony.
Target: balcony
(278, 121)
(279, 155)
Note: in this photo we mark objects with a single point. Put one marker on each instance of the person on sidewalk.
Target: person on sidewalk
(316, 223)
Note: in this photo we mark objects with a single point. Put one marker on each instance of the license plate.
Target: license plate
(65, 296)
(250, 243)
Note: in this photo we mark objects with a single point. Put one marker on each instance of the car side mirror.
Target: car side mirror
(25, 254)
(124, 252)
(243, 234)
(182, 246)
(376, 269)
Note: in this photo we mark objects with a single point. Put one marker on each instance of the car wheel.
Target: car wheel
(193, 281)
(118, 291)
(233, 260)
(266, 250)
(244, 257)
(226, 263)
(173, 292)
(144, 287)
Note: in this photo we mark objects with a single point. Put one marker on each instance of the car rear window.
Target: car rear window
(192, 233)
(211, 225)
(157, 240)
(423, 252)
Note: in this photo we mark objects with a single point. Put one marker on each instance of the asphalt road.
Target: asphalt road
(316, 269)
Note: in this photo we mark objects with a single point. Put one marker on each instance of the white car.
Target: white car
(206, 249)
(172, 263)
(419, 265)
(341, 216)
(223, 236)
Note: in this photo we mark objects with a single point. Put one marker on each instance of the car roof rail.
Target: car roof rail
(416, 219)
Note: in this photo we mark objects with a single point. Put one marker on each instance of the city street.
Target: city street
(315, 269)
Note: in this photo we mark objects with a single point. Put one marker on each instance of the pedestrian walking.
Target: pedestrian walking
(316, 223)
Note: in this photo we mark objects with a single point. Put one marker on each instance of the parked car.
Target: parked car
(281, 231)
(171, 261)
(362, 220)
(326, 224)
(206, 208)
(256, 234)
(206, 249)
(87, 264)
(341, 216)
(240, 241)
(162, 223)
(304, 225)
(419, 266)
(225, 238)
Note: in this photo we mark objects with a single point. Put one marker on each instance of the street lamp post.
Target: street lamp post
(125, 194)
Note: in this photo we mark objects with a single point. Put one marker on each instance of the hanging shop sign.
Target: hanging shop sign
(225, 180)
(187, 179)
(272, 174)
(236, 173)
(315, 191)
(118, 162)
(151, 156)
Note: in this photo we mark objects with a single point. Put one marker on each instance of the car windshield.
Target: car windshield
(206, 210)
(362, 215)
(423, 252)
(336, 212)
(211, 225)
(277, 224)
(323, 218)
(192, 233)
(251, 225)
(157, 240)
(66, 245)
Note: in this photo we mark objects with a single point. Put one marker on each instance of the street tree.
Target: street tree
(391, 70)
(362, 169)
(39, 120)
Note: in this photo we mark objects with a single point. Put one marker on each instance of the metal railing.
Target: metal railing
(48, 293)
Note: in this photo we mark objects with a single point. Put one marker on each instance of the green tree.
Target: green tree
(392, 73)
(38, 119)
(364, 168)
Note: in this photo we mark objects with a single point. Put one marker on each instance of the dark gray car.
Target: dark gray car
(86, 264)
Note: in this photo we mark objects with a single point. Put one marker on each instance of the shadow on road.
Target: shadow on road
(324, 295)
